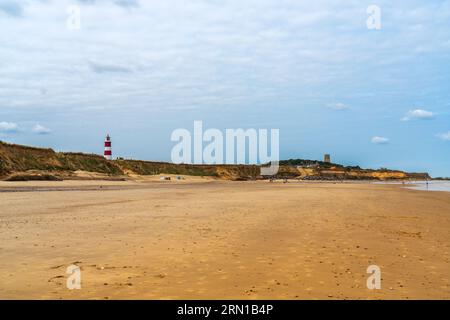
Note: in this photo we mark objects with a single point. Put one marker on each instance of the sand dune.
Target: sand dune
(222, 240)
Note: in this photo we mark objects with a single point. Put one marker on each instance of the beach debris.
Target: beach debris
(55, 277)
(57, 267)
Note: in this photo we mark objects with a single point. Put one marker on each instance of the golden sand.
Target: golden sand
(222, 240)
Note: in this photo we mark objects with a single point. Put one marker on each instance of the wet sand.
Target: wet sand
(222, 240)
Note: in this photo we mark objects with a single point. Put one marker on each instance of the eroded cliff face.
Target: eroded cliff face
(19, 162)
(343, 173)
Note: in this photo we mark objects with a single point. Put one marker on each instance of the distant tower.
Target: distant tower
(108, 154)
(327, 158)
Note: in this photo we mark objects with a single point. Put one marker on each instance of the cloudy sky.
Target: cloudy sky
(139, 69)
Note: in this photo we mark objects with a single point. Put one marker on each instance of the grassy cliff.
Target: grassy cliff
(19, 162)
(231, 172)
(18, 158)
(15, 159)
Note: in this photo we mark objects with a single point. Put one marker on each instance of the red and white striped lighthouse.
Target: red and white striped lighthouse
(108, 153)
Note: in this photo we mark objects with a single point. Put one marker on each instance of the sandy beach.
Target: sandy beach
(208, 239)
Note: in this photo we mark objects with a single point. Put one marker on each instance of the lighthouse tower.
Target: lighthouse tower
(108, 153)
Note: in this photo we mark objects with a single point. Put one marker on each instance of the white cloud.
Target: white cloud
(8, 127)
(337, 106)
(209, 54)
(418, 114)
(127, 3)
(380, 140)
(444, 136)
(38, 129)
(107, 68)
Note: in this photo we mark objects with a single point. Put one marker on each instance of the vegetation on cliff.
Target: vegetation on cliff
(19, 162)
